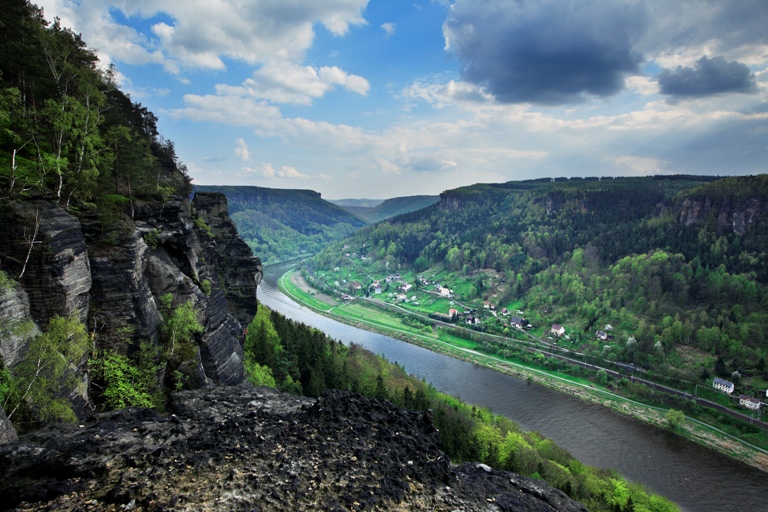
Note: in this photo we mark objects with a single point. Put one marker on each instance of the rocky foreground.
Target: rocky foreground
(243, 448)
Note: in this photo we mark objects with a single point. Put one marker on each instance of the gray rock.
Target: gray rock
(7, 432)
(56, 276)
(244, 448)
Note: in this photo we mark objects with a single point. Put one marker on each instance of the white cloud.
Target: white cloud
(266, 170)
(241, 150)
(284, 82)
(201, 33)
(389, 28)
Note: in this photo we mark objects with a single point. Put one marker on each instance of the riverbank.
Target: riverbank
(701, 433)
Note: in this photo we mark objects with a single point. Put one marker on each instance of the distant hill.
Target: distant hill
(279, 224)
(677, 266)
(374, 210)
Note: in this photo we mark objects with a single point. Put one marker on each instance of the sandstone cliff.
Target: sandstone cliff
(244, 448)
(63, 265)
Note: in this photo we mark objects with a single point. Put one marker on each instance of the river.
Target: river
(695, 478)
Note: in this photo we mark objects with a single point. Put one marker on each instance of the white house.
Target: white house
(749, 402)
(723, 385)
(557, 330)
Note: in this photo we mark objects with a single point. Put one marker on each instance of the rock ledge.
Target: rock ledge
(244, 448)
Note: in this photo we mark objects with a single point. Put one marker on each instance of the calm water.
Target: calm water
(695, 478)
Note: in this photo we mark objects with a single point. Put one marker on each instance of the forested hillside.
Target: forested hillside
(282, 224)
(67, 130)
(676, 267)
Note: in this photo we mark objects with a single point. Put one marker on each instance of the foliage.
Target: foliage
(282, 224)
(179, 329)
(150, 237)
(48, 368)
(206, 285)
(259, 375)
(586, 253)
(128, 382)
(66, 128)
(674, 418)
(200, 222)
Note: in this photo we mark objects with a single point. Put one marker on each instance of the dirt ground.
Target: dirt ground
(298, 280)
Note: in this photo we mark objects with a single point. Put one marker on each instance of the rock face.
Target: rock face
(727, 214)
(240, 272)
(242, 448)
(43, 244)
(114, 283)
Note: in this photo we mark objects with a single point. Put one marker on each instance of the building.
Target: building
(601, 335)
(557, 330)
(723, 385)
(749, 402)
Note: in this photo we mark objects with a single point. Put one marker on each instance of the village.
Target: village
(441, 303)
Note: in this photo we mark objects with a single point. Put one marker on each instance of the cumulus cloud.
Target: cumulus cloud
(389, 28)
(241, 150)
(706, 78)
(266, 170)
(545, 51)
(200, 33)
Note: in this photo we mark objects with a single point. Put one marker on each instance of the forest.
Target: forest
(677, 266)
(67, 131)
(282, 224)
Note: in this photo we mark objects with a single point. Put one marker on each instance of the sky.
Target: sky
(390, 98)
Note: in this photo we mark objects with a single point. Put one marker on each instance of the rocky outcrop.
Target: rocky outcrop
(114, 281)
(7, 432)
(242, 448)
(239, 271)
(44, 244)
(17, 327)
(734, 214)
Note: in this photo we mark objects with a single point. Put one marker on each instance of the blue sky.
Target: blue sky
(387, 98)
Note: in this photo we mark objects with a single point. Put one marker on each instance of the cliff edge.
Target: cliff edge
(245, 448)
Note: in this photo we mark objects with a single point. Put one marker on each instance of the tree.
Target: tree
(47, 371)
(674, 418)
(179, 330)
(602, 377)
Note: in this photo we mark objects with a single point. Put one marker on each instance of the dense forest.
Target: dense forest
(67, 131)
(283, 224)
(677, 266)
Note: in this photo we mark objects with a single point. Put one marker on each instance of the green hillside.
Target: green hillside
(676, 267)
(282, 224)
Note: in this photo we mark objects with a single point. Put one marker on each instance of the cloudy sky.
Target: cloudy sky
(386, 98)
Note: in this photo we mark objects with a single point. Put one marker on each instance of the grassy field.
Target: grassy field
(366, 315)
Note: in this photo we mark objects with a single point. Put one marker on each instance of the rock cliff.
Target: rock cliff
(63, 265)
(244, 448)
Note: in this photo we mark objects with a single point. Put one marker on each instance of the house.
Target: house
(516, 321)
(486, 304)
(444, 292)
(749, 402)
(355, 285)
(377, 288)
(601, 335)
(406, 286)
(557, 330)
(723, 385)
(454, 314)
